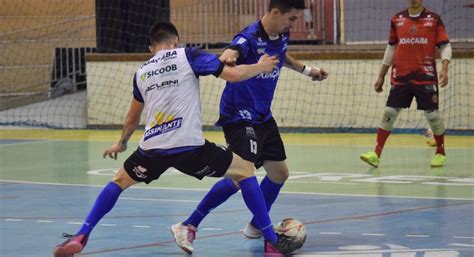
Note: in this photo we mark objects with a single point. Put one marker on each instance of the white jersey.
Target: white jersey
(168, 85)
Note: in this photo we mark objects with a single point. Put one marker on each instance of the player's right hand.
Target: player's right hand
(114, 150)
(268, 63)
(378, 86)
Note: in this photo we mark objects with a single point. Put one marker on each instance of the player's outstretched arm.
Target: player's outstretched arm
(316, 74)
(237, 73)
(131, 123)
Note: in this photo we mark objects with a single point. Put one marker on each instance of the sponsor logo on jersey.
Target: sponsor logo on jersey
(245, 114)
(413, 41)
(428, 24)
(140, 171)
(241, 41)
(261, 51)
(163, 128)
(162, 70)
(412, 30)
(272, 75)
(166, 56)
(163, 85)
(260, 42)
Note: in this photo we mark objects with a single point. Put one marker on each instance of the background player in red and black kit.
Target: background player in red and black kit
(414, 35)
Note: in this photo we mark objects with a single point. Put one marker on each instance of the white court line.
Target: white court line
(44, 221)
(207, 189)
(74, 223)
(463, 245)
(212, 229)
(140, 226)
(416, 236)
(108, 225)
(370, 234)
(330, 233)
(25, 143)
(15, 220)
(464, 237)
(358, 253)
(159, 200)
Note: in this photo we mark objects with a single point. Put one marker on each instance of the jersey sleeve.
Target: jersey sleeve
(240, 44)
(393, 38)
(204, 63)
(136, 93)
(441, 34)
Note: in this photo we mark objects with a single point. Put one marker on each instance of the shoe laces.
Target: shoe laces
(66, 235)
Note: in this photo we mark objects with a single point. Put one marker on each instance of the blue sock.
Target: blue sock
(103, 204)
(253, 198)
(219, 193)
(270, 191)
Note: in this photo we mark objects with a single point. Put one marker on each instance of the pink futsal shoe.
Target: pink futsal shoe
(73, 245)
(271, 251)
(184, 236)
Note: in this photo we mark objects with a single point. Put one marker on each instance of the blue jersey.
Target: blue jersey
(250, 100)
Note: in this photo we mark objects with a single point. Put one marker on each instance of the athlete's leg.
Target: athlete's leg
(243, 173)
(105, 201)
(277, 174)
(242, 140)
(427, 100)
(400, 96)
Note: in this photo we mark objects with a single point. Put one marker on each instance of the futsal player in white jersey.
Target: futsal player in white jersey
(166, 87)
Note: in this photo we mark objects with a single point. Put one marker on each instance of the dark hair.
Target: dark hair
(162, 31)
(286, 5)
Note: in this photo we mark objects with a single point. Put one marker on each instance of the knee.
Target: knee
(240, 169)
(123, 180)
(436, 122)
(389, 116)
(279, 176)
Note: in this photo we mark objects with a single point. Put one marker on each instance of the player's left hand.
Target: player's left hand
(443, 78)
(318, 74)
(114, 150)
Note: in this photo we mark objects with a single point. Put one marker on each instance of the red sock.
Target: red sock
(382, 136)
(440, 144)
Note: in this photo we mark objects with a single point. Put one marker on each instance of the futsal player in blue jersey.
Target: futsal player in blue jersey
(245, 115)
(166, 88)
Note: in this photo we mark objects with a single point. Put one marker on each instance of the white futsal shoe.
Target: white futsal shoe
(252, 232)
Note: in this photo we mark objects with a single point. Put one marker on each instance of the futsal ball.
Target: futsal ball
(429, 138)
(294, 230)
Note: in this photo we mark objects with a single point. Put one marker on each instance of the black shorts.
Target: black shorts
(208, 160)
(426, 96)
(255, 142)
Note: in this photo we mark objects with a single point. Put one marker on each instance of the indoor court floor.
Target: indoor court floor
(49, 180)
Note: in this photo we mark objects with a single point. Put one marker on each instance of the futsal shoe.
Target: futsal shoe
(438, 161)
(184, 236)
(73, 245)
(371, 158)
(281, 248)
(252, 232)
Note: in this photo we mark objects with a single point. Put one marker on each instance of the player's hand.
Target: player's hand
(230, 61)
(378, 86)
(114, 150)
(443, 77)
(318, 74)
(268, 63)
